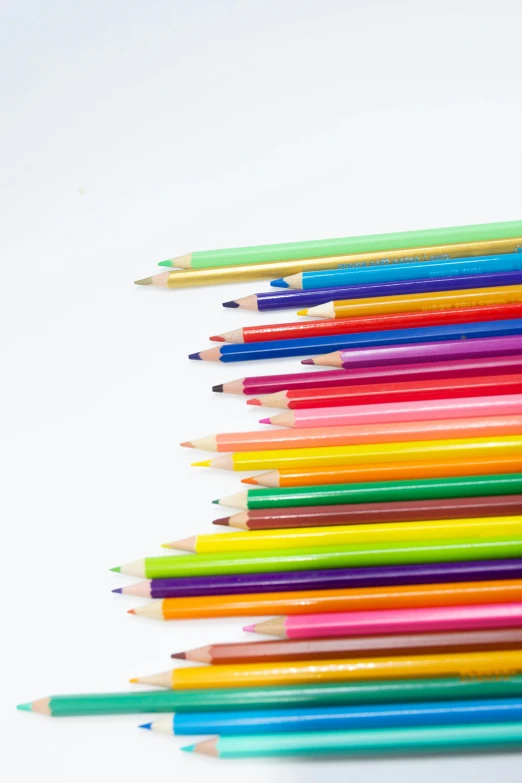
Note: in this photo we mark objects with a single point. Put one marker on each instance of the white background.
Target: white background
(134, 131)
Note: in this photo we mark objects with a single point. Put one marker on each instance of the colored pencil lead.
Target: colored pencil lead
(118, 590)
(205, 464)
(117, 569)
(216, 502)
(279, 283)
(134, 680)
(230, 304)
(254, 402)
(165, 263)
(262, 421)
(145, 281)
(145, 726)
(307, 361)
(188, 749)
(218, 388)
(302, 312)
(131, 611)
(249, 628)
(217, 338)
(221, 521)
(250, 480)
(181, 656)
(195, 356)
(187, 444)
(27, 707)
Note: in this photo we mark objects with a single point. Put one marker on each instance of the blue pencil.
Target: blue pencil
(507, 262)
(277, 349)
(279, 299)
(379, 716)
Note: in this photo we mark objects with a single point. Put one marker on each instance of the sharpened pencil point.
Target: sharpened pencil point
(307, 361)
(230, 304)
(187, 444)
(131, 611)
(217, 338)
(250, 480)
(250, 628)
(207, 463)
(168, 262)
(221, 521)
(254, 402)
(144, 281)
(216, 502)
(195, 356)
(27, 707)
(145, 726)
(117, 569)
(279, 283)
(218, 388)
(188, 749)
(179, 656)
(134, 680)
(118, 590)
(302, 312)
(264, 421)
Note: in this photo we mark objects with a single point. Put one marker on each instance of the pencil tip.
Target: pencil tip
(217, 338)
(27, 707)
(134, 680)
(144, 281)
(195, 356)
(230, 304)
(254, 401)
(221, 521)
(250, 628)
(265, 421)
(218, 388)
(117, 569)
(250, 480)
(216, 502)
(118, 590)
(131, 611)
(207, 463)
(145, 726)
(168, 262)
(307, 361)
(179, 656)
(279, 283)
(302, 312)
(187, 444)
(188, 749)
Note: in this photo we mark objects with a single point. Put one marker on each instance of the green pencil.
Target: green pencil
(321, 248)
(369, 742)
(386, 553)
(273, 696)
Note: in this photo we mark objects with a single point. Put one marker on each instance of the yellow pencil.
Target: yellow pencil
(246, 541)
(441, 300)
(479, 664)
(462, 448)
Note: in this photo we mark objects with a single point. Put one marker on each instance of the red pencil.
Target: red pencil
(392, 392)
(322, 328)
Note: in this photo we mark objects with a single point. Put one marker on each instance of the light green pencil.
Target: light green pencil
(321, 248)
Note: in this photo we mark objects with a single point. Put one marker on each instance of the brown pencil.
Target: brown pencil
(354, 647)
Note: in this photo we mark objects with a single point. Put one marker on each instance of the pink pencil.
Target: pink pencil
(383, 413)
(434, 618)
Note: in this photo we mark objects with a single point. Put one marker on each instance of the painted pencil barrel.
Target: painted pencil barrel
(434, 739)
(348, 718)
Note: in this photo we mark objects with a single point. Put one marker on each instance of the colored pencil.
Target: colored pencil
(371, 394)
(424, 352)
(366, 513)
(343, 535)
(281, 581)
(370, 742)
(490, 249)
(356, 555)
(278, 349)
(468, 664)
(437, 429)
(369, 323)
(277, 697)
(447, 368)
(303, 602)
(258, 722)
(354, 646)
(383, 413)
(281, 299)
(404, 451)
(376, 492)
(319, 248)
(424, 302)
(391, 471)
(326, 278)
(416, 620)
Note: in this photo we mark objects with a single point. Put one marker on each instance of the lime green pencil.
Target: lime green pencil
(321, 248)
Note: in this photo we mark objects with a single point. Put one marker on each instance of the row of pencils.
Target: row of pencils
(381, 543)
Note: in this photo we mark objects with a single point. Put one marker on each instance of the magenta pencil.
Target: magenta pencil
(386, 413)
(416, 620)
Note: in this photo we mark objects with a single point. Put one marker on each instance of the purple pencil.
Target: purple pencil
(458, 368)
(327, 579)
(480, 347)
(280, 299)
